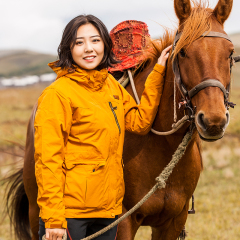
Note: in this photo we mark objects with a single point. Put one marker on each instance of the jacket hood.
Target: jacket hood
(91, 78)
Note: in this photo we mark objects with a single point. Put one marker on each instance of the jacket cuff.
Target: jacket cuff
(159, 68)
(56, 224)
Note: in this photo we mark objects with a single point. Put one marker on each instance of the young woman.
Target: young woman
(79, 133)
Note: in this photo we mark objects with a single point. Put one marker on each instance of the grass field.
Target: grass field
(217, 195)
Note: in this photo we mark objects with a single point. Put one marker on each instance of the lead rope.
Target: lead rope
(161, 183)
(176, 125)
(174, 103)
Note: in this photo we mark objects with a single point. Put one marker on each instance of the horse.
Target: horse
(200, 58)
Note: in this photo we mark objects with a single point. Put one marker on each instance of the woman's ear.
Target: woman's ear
(223, 10)
(182, 9)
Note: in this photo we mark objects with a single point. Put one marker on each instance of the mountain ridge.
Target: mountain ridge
(23, 62)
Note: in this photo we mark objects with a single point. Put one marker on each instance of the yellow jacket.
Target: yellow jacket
(79, 133)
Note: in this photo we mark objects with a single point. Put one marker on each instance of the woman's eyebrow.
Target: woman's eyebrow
(90, 37)
(95, 36)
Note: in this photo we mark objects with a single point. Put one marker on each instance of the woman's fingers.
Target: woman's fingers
(47, 235)
(167, 49)
(164, 56)
(55, 233)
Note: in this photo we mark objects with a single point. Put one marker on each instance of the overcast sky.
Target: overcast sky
(38, 24)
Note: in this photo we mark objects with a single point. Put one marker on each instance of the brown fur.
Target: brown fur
(182, 9)
(223, 10)
(199, 21)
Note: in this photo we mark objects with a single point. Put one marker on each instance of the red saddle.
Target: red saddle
(129, 38)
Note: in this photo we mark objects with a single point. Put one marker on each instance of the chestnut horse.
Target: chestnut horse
(200, 59)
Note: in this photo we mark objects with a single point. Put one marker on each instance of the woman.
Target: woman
(79, 133)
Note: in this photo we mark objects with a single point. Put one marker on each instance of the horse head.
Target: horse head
(202, 60)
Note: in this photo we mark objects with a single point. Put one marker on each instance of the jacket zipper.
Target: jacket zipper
(115, 116)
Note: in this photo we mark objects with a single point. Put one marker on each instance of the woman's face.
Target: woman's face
(88, 50)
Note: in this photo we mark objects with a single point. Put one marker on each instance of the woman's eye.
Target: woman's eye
(182, 53)
(96, 40)
(79, 43)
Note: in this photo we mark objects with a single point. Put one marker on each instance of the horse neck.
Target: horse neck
(165, 116)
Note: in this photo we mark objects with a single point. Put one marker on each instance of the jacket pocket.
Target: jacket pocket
(121, 186)
(75, 185)
(86, 183)
(97, 189)
(91, 156)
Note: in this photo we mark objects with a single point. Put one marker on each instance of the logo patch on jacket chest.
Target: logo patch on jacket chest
(116, 97)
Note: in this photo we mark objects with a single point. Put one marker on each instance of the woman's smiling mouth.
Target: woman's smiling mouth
(89, 58)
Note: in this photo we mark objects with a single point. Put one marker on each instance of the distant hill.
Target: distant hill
(24, 62)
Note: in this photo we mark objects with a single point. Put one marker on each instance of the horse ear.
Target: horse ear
(182, 9)
(223, 10)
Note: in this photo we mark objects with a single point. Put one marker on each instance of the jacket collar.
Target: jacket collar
(93, 79)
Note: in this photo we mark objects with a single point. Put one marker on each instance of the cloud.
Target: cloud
(38, 25)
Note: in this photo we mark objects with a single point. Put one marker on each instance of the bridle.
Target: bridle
(188, 95)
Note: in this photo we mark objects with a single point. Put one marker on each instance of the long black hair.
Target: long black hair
(69, 37)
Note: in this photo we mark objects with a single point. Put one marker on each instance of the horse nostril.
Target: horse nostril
(227, 115)
(200, 121)
(228, 118)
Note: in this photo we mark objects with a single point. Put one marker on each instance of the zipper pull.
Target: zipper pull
(115, 117)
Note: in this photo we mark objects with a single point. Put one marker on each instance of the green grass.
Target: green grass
(15, 107)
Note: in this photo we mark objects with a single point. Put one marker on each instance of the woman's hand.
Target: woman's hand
(164, 56)
(55, 233)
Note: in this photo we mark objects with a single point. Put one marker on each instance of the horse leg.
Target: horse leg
(34, 220)
(172, 228)
(127, 229)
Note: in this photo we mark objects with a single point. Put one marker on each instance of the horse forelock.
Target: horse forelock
(194, 26)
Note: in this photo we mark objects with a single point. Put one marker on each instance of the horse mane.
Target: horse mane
(195, 25)
(154, 49)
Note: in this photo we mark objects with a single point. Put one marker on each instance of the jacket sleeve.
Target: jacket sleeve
(52, 126)
(139, 118)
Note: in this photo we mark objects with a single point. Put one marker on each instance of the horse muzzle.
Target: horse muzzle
(211, 128)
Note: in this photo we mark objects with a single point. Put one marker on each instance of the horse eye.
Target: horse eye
(182, 53)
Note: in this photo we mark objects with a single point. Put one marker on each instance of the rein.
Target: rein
(175, 126)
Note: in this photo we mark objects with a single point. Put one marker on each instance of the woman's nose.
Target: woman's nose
(88, 47)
